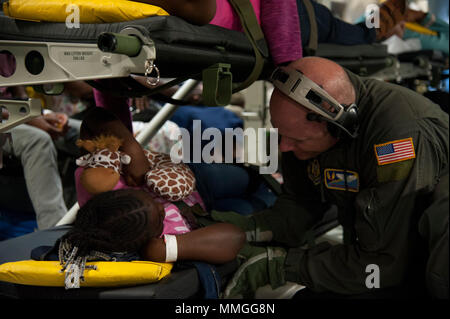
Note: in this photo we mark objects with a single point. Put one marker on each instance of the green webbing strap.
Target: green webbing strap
(253, 31)
(217, 85)
(313, 34)
(273, 183)
(195, 216)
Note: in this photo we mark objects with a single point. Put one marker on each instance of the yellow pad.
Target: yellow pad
(99, 11)
(108, 273)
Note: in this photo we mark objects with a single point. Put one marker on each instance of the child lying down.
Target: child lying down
(131, 222)
(136, 217)
(141, 220)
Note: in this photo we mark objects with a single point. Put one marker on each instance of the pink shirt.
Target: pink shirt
(119, 106)
(7, 68)
(278, 20)
(174, 222)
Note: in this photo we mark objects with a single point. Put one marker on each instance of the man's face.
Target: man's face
(306, 139)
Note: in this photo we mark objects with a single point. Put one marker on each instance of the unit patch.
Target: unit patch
(342, 180)
(314, 171)
(395, 151)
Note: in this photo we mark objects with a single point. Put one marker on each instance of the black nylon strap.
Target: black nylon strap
(253, 31)
(313, 34)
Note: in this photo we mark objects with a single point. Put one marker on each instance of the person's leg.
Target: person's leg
(263, 197)
(38, 156)
(218, 181)
(331, 29)
(227, 187)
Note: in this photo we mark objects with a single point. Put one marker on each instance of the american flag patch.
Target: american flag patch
(395, 151)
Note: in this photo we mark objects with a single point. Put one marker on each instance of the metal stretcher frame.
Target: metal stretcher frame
(49, 53)
(374, 61)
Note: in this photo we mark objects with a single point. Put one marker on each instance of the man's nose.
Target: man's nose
(286, 144)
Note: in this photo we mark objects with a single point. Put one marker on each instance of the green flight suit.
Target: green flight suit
(380, 205)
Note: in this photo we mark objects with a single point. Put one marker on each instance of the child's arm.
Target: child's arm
(216, 244)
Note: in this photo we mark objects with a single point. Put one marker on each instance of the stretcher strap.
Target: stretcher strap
(313, 34)
(253, 31)
(217, 85)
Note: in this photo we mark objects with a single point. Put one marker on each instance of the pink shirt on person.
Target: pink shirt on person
(279, 23)
(174, 222)
(7, 68)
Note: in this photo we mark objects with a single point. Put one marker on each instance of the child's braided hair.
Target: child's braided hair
(113, 221)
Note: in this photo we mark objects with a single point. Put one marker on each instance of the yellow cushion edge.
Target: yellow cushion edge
(108, 274)
(102, 11)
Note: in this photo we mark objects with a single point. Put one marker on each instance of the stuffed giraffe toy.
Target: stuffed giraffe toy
(103, 167)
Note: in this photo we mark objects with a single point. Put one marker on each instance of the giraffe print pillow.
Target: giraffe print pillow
(171, 181)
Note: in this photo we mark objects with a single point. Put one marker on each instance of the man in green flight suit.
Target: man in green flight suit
(377, 151)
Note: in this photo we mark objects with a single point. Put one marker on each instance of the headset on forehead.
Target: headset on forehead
(307, 93)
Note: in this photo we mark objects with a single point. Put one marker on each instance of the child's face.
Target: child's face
(156, 213)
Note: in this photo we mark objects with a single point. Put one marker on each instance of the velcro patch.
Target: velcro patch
(342, 180)
(394, 172)
(395, 151)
